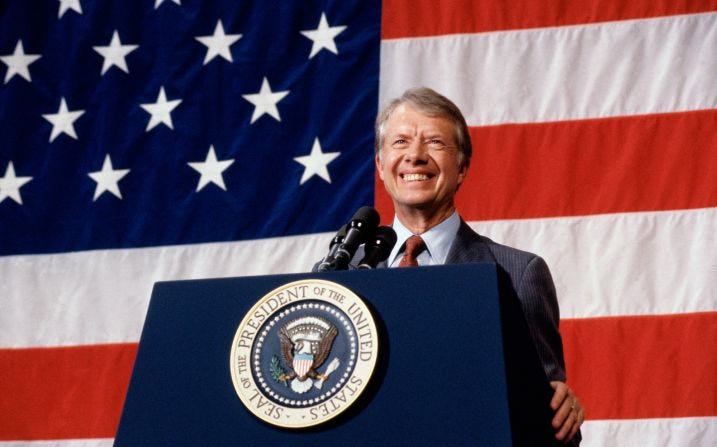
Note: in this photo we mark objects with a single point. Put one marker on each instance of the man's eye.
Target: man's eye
(400, 143)
(435, 143)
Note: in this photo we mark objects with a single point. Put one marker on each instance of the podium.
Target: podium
(456, 365)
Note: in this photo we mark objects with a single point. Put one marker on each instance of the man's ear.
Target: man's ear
(378, 166)
(462, 174)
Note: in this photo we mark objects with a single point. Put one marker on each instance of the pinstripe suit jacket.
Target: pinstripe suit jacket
(527, 277)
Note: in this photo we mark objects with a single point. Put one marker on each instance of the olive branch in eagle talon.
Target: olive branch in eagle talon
(277, 372)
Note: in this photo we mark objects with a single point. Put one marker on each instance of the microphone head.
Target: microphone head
(367, 216)
(385, 237)
(360, 229)
(378, 247)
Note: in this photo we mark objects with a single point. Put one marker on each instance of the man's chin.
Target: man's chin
(417, 204)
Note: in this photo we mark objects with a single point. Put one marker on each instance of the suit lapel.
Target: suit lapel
(469, 246)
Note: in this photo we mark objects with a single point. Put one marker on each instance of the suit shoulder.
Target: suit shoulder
(504, 252)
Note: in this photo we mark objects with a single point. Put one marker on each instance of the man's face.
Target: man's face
(419, 162)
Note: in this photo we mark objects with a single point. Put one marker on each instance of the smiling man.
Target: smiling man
(423, 150)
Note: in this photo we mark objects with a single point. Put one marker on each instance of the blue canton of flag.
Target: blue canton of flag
(158, 122)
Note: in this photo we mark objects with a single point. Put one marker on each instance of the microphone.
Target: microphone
(378, 247)
(327, 262)
(360, 228)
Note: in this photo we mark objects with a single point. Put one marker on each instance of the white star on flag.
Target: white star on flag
(323, 36)
(160, 110)
(69, 4)
(316, 163)
(18, 62)
(115, 54)
(10, 184)
(63, 120)
(159, 2)
(211, 170)
(265, 101)
(107, 179)
(218, 44)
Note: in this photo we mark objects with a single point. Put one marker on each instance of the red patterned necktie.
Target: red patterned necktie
(414, 246)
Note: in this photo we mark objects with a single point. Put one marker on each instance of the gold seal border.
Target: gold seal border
(288, 417)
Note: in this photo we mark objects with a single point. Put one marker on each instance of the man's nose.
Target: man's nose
(417, 152)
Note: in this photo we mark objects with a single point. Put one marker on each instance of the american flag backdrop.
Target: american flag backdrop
(155, 140)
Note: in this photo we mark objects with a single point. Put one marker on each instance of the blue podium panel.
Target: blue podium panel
(440, 378)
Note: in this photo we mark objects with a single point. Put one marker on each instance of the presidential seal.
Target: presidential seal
(304, 353)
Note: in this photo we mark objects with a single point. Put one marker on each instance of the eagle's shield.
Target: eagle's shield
(302, 364)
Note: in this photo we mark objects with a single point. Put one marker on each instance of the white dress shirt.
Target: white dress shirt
(438, 241)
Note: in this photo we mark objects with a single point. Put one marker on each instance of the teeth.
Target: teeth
(415, 177)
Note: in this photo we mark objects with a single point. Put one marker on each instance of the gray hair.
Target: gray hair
(432, 104)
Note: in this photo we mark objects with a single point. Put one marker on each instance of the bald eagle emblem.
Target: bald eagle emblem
(305, 345)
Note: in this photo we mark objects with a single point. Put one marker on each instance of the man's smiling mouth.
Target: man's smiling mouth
(415, 177)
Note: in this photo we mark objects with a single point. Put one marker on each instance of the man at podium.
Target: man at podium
(423, 150)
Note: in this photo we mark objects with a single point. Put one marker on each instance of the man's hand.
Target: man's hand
(569, 414)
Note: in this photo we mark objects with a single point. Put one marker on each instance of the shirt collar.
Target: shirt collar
(438, 239)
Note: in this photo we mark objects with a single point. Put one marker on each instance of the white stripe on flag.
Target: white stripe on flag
(620, 68)
(102, 296)
(623, 264)
(677, 432)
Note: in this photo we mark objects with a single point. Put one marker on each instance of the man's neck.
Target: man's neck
(418, 221)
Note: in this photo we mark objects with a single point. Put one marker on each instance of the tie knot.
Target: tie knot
(414, 246)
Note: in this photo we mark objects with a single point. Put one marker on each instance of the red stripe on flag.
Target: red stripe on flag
(416, 18)
(63, 392)
(643, 366)
(573, 168)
